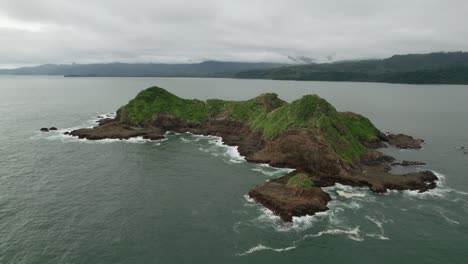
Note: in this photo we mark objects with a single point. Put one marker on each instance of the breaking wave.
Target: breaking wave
(441, 191)
(218, 148)
(270, 171)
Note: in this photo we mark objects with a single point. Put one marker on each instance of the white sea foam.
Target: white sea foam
(261, 247)
(351, 233)
(349, 195)
(72, 139)
(441, 190)
(94, 121)
(218, 148)
(190, 139)
(185, 140)
(270, 171)
(59, 134)
(378, 236)
(249, 199)
(347, 191)
(335, 216)
(379, 225)
(298, 223)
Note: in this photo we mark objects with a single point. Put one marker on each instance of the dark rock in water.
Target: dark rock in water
(287, 201)
(52, 129)
(408, 163)
(115, 131)
(66, 133)
(153, 136)
(44, 129)
(404, 141)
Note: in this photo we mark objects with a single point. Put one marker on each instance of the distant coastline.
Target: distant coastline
(432, 68)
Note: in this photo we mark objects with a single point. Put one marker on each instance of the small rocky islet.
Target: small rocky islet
(324, 146)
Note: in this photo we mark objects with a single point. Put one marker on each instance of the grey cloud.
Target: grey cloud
(86, 31)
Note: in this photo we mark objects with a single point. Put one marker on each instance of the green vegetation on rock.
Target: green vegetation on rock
(360, 126)
(265, 113)
(301, 181)
(432, 68)
(157, 100)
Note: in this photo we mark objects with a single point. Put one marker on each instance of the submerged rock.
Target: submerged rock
(408, 163)
(115, 130)
(44, 129)
(53, 129)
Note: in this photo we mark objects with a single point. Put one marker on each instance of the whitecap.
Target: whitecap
(346, 191)
(378, 236)
(249, 199)
(376, 222)
(59, 134)
(271, 171)
(298, 223)
(220, 149)
(441, 190)
(349, 195)
(185, 140)
(261, 247)
(72, 139)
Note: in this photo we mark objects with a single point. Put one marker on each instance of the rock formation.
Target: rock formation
(323, 145)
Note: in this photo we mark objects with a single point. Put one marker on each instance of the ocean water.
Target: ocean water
(183, 199)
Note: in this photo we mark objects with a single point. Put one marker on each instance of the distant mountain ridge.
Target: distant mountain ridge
(432, 68)
(203, 69)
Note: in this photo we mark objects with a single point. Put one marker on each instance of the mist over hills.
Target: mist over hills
(432, 68)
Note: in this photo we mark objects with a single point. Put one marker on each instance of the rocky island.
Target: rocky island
(324, 146)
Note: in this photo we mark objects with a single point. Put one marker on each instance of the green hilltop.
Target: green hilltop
(432, 68)
(265, 113)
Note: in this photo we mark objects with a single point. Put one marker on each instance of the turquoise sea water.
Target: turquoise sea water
(183, 200)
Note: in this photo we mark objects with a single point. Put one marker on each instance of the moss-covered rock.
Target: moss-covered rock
(301, 181)
(265, 113)
(142, 108)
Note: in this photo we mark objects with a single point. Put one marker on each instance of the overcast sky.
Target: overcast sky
(87, 31)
